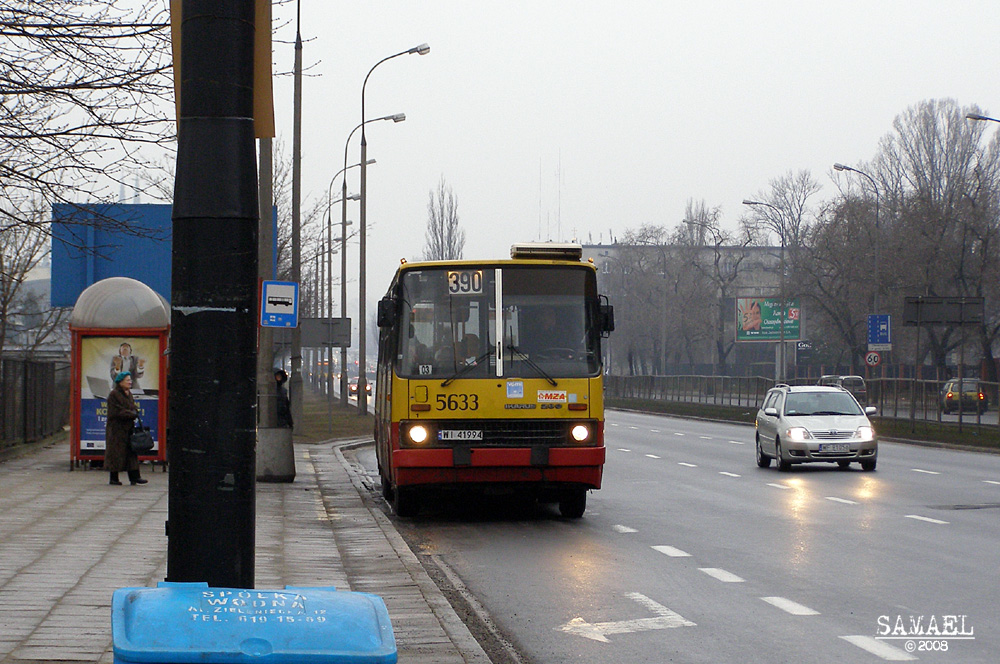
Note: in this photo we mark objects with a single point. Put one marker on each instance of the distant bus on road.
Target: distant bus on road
(490, 375)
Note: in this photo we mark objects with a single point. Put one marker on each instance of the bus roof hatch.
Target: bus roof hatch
(562, 251)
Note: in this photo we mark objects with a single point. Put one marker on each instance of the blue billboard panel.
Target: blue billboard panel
(94, 242)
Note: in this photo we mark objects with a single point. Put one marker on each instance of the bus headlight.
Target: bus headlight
(417, 434)
(580, 433)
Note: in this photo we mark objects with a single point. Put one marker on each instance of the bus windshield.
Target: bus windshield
(448, 323)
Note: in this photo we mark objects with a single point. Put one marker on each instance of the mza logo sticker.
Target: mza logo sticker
(551, 396)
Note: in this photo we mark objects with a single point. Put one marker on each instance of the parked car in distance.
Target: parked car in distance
(966, 394)
(814, 423)
(853, 384)
(352, 387)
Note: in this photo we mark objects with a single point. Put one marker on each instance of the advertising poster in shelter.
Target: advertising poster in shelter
(759, 319)
(101, 358)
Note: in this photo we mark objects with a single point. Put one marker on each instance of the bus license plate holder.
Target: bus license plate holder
(460, 434)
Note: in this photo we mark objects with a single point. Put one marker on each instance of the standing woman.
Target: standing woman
(122, 411)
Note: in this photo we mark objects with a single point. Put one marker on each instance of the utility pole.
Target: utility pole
(295, 380)
(213, 345)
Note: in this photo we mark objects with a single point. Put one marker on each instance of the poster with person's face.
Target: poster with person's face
(760, 319)
(103, 358)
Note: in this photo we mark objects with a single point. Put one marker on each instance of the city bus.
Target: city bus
(490, 379)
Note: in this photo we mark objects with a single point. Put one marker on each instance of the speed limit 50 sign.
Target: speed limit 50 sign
(872, 358)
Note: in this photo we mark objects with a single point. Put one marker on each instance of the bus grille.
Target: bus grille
(511, 433)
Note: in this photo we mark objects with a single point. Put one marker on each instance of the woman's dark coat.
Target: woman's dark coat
(118, 454)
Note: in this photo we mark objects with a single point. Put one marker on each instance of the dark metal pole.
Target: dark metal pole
(213, 354)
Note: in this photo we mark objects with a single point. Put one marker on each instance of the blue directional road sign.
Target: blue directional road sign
(879, 332)
(279, 304)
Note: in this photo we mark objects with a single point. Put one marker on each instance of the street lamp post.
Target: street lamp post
(396, 117)
(781, 286)
(878, 233)
(422, 49)
(977, 116)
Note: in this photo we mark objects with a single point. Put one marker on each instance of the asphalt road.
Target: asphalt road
(690, 553)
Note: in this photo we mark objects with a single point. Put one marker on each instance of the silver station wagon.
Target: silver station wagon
(813, 423)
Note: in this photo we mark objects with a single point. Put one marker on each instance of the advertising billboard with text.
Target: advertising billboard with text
(759, 319)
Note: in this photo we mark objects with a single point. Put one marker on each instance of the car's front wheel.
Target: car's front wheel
(763, 461)
(869, 464)
(779, 458)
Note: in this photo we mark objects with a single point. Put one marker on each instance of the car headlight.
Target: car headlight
(417, 434)
(580, 433)
(798, 434)
(866, 433)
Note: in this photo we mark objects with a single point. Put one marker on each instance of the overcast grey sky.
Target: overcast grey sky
(581, 119)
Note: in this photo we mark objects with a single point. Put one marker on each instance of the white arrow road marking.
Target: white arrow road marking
(665, 619)
(879, 648)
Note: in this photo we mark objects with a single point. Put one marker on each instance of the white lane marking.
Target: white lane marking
(689, 465)
(841, 500)
(925, 518)
(634, 428)
(671, 551)
(614, 424)
(652, 456)
(706, 437)
(678, 433)
(926, 472)
(991, 482)
(737, 442)
(654, 431)
(665, 619)
(624, 529)
(721, 574)
(788, 606)
(779, 486)
(879, 648)
(729, 474)
(622, 449)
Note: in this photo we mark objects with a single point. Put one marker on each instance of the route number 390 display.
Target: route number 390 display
(465, 282)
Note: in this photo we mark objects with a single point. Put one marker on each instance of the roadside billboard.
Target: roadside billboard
(759, 319)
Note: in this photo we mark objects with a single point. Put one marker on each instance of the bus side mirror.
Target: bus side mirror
(386, 312)
(607, 319)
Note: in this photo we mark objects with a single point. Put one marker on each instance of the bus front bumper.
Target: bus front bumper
(576, 465)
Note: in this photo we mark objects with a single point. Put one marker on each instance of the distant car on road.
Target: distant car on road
(352, 387)
(853, 384)
(965, 394)
(814, 423)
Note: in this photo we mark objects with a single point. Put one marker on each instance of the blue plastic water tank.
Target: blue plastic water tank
(190, 622)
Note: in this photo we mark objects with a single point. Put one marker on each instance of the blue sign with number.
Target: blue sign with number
(879, 329)
(279, 304)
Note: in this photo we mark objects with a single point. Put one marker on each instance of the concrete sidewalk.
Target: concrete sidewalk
(68, 540)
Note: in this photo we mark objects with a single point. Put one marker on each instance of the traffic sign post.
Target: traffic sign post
(279, 304)
(879, 332)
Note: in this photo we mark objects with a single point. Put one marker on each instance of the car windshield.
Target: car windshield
(821, 403)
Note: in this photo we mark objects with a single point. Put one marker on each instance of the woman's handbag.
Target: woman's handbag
(141, 440)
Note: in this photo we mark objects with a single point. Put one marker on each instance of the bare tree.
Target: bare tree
(22, 248)
(84, 85)
(444, 239)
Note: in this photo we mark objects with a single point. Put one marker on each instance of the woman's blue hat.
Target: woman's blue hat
(121, 376)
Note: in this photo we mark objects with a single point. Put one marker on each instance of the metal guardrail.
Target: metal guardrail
(900, 398)
(34, 399)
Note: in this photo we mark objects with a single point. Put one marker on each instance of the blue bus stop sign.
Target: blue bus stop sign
(279, 304)
(879, 332)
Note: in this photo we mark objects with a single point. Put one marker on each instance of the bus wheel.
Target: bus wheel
(387, 491)
(405, 502)
(573, 503)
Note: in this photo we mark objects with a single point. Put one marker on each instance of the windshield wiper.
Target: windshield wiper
(465, 369)
(531, 363)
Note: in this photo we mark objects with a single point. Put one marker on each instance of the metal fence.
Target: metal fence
(34, 399)
(902, 398)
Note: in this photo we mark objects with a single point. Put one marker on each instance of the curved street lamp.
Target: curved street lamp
(422, 49)
(878, 233)
(977, 116)
(395, 117)
(781, 287)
